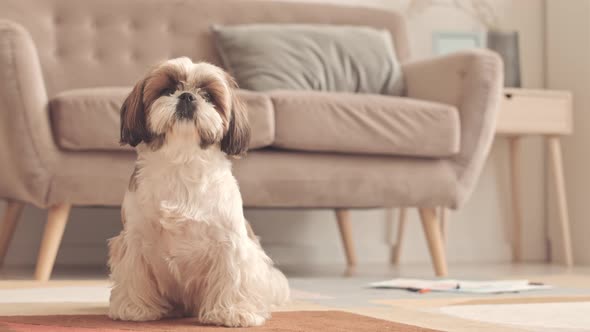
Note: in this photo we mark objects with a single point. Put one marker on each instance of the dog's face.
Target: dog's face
(193, 102)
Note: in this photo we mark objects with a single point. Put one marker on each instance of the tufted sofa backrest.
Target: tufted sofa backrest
(92, 43)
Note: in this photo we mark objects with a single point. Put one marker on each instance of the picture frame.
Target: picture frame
(445, 42)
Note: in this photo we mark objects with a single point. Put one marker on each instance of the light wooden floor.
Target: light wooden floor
(324, 280)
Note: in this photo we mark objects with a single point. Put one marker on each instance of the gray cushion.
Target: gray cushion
(310, 57)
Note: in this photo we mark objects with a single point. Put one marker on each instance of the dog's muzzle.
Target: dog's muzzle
(186, 107)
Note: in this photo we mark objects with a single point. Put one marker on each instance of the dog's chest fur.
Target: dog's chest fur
(196, 181)
(190, 196)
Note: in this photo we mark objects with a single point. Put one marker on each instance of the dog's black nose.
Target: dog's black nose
(187, 96)
(185, 108)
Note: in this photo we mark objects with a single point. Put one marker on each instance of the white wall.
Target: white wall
(568, 67)
(478, 232)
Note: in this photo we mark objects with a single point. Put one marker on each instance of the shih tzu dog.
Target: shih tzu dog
(186, 248)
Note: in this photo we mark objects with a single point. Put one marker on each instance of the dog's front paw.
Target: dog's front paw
(132, 312)
(233, 318)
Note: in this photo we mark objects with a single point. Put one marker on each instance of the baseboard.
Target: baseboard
(378, 253)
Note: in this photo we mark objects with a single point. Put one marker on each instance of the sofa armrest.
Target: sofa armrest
(472, 81)
(27, 149)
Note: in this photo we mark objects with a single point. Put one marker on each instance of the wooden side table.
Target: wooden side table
(524, 113)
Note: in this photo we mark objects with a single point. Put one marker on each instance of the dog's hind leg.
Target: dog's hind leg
(235, 292)
(279, 286)
(242, 286)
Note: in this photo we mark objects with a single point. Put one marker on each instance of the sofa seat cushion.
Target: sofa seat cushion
(88, 119)
(290, 179)
(364, 124)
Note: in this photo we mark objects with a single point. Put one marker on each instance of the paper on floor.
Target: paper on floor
(460, 286)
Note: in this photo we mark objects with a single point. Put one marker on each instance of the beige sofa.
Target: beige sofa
(65, 67)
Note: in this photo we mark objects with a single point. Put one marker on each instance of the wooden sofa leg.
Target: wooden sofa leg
(443, 216)
(431, 227)
(396, 249)
(11, 215)
(344, 225)
(57, 218)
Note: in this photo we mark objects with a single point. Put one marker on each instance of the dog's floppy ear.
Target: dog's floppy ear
(133, 118)
(236, 140)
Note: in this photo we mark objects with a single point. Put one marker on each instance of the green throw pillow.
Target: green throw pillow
(310, 57)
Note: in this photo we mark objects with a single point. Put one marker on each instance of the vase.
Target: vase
(505, 43)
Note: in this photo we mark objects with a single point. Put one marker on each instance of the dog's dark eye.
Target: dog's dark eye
(168, 91)
(207, 96)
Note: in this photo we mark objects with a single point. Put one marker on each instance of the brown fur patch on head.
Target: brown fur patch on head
(236, 139)
(133, 118)
(219, 93)
(135, 109)
(218, 85)
(163, 77)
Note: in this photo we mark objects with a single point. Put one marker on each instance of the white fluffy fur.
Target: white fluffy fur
(184, 250)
